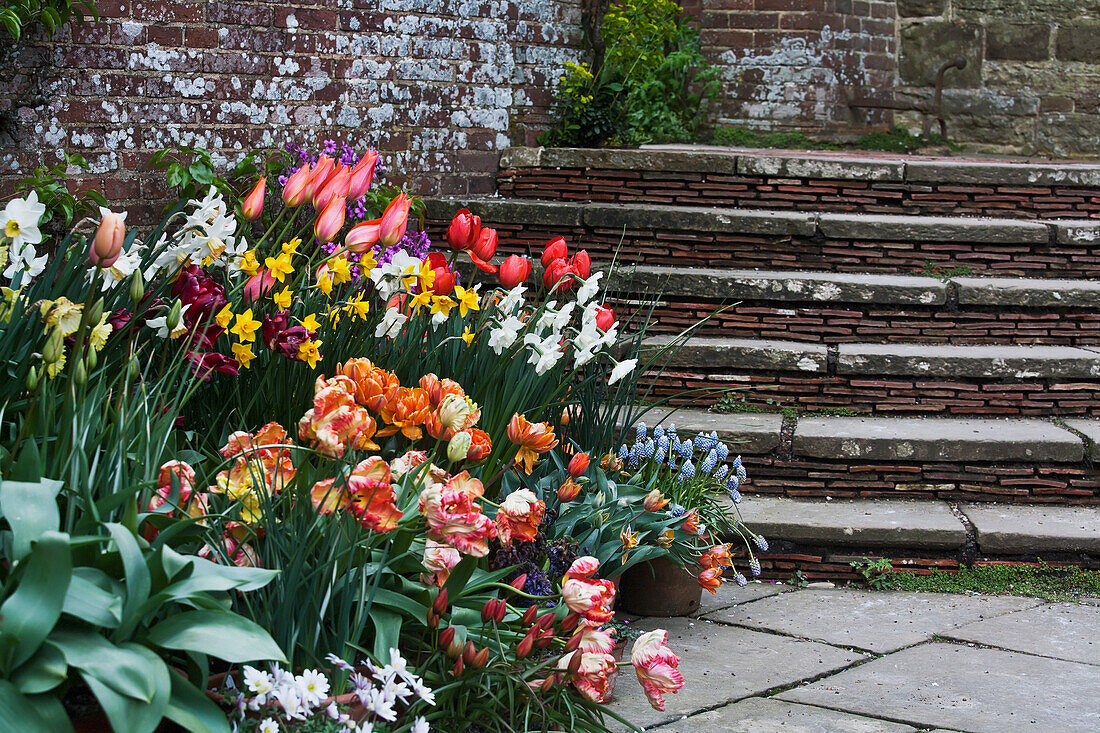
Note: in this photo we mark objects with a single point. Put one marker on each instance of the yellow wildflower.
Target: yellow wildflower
(65, 315)
(467, 300)
(467, 336)
(291, 247)
(246, 326)
(310, 352)
(311, 323)
(279, 266)
(248, 263)
(243, 354)
(325, 285)
(340, 271)
(100, 332)
(358, 307)
(224, 316)
(282, 298)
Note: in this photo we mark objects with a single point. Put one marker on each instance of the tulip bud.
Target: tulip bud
(32, 380)
(568, 491)
(598, 500)
(524, 647)
(394, 220)
(481, 658)
(433, 619)
(95, 313)
(544, 639)
(546, 620)
(295, 191)
(54, 348)
(133, 371)
(363, 236)
(458, 668)
(446, 637)
(519, 582)
(488, 611)
(439, 605)
(137, 287)
(91, 359)
(574, 663)
(578, 465)
(574, 642)
(570, 621)
(469, 652)
(459, 447)
(513, 271)
(555, 249)
(654, 501)
(454, 651)
(330, 220)
(552, 276)
(547, 683)
(528, 616)
(501, 611)
(335, 186)
(107, 244)
(463, 231)
(172, 321)
(253, 204)
(80, 373)
(362, 174)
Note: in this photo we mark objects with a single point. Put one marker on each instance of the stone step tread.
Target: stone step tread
(947, 361)
(867, 522)
(876, 227)
(750, 433)
(1017, 530)
(936, 439)
(1091, 430)
(827, 287)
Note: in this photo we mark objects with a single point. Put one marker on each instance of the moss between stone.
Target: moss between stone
(1038, 581)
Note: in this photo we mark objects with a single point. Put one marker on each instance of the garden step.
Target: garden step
(804, 180)
(884, 378)
(754, 433)
(1091, 430)
(1019, 530)
(827, 307)
(936, 439)
(788, 240)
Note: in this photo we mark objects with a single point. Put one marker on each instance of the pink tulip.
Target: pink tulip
(259, 285)
(107, 245)
(320, 172)
(394, 221)
(253, 204)
(296, 189)
(336, 185)
(363, 236)
(362, 175)
(330, 220)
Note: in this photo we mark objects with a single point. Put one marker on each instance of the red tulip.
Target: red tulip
(605, 318)
(335, 185)
(394, 221)
(253, 204)
(463, 231)
(296, 189)
(582, 264)
(259, 284)
(555, 249)
(484, 249)
(363, 236)
(109, 237)
(554, 272)
(514, 270)
(578, 465)
(330, 220)
(362, 174)
(444, 282)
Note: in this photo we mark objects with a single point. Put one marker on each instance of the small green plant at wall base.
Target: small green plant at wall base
(16, 15)
(60, 203)
(1038, 581)
(799, 580)
(944, 274)
(874, 572)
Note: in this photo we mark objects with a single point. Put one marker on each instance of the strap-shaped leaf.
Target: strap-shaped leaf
(31, 509)
(221, 634)
(118, 667)
(42, 672)
(138, 582)
(30, 613)
(13, 706)
(91, 602)
(191, 708)
(124, 712)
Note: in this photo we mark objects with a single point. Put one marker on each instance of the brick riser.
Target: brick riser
(885, 395)
(799, 253)
(778, 475)
(801, 194)
(852, 323)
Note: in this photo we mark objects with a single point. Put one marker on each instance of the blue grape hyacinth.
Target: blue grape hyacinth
(754, 566)
(639, 432)
(760, 542)
(720, 474)
(741, 580)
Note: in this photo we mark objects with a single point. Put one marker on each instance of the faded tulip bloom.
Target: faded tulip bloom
(519, 516)
(711, 579)
(109, 237)
(253, 204)
(454, 518)
(568, 491)
(655, 501)
(657, 668)
(592, 676)
(591, 598)
(533, 440)
(394, 221)
(440, 559)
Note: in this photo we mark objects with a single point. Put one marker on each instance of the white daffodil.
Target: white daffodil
(392, 322)
(505, 335)
(512, 299)
(588, 289)
(20, 220)
(561, 318)
(545, 353)
(621, 369)
(24, 260)
(125, 266)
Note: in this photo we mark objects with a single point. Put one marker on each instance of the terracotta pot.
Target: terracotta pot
(617, 652)
(660, 588)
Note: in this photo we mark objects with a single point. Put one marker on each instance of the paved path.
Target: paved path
(770, 659)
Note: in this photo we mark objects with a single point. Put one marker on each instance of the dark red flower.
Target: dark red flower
(206, 362)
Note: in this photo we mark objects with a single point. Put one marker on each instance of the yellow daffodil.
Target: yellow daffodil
(65, 315)
(282, 298)
(246, 326)
(279, 266)
(311, 323)
(8, 308)
(427, 276)
(325, 285)
(358, 307)
(340, 271)
(291, 247)
(224, 316)
(423, 298)
(443, 304)
(248, 263)
(310, 352)
(467, 336)
(367, 261)
(98, 337)
(467, 300)
(243, 354)
(334, 315)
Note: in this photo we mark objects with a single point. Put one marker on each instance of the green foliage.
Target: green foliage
(652, 86)
(16, 15)
(60, 203)
(734, 401)
(945, 274)
(191, 171)
(1039, 581)
(875, 572)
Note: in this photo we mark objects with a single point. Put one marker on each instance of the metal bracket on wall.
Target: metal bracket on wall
(933, 109)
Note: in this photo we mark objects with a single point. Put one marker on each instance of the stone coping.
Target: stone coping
(811, 164)
(1011, 530)
(715, 352)
(951, 361)
(875, 227)
(750, 433)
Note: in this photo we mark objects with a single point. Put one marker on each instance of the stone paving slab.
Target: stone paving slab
(1026, 292)
(1018, 529)
(694, 219)
(1068, 631)
(954, 361)
(878, 522)
(723, 664)
(936, 439)
(1091, 430)
(753, 433)
(731, 594)
(965, 688)
(902, 228)
(768, 715)
(878, 621)
(713, 352)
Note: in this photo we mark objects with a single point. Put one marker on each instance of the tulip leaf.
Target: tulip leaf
(125, 712)
(43, 672)
(14, 706)
(90, 601)
(120, 668)
(221, 634)
(192, 709)
(30, 613)
(31, 509)
(138, 582)
(387, 630)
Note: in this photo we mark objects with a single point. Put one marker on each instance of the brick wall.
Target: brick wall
(440, 85)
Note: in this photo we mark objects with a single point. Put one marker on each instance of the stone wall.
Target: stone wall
(440, 85)
(1032, 81)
